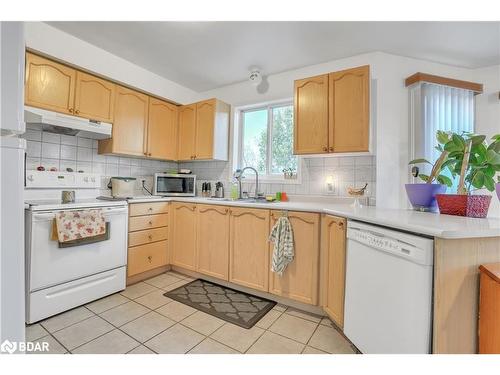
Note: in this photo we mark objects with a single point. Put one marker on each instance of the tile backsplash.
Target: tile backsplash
(61, 152)
(345, 171)
(80, 154)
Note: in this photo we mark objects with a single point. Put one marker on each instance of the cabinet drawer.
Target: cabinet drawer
(153, 208)
(147, 222)
(147, 236)
(146, 257)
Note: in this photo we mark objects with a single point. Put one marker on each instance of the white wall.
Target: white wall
(488, 113)
(58, 44)
(389, 115)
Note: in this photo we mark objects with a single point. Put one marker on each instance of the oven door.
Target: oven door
(51, 265)
(174, 185)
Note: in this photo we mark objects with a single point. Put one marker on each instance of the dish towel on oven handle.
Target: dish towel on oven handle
(77, 225)
(284, 251)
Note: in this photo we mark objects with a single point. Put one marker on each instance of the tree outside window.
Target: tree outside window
(267, 139)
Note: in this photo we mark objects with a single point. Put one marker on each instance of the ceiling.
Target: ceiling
(207, 55)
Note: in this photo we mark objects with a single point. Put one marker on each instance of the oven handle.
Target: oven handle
(51, 214)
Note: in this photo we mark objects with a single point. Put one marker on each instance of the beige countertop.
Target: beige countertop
(430, 224)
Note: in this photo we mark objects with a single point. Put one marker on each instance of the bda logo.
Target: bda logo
(8, 347)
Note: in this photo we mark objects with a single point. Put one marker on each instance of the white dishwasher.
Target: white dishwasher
(388, 296)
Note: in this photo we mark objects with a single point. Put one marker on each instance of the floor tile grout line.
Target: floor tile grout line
(86, 342)
(72, 324)
(60, 343)
(289, 338)
(218, 342)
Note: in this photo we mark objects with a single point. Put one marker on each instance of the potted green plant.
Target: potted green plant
(423, 196)
(476, 163)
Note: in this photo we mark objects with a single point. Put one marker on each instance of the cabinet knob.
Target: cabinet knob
(145, 153)
(331, 149)
(77, 111)
(70, 110)
(150, 222)
(149, 153)
(226, 210)
(150, 209)
(341, 224)
(150, 258)
(325, 148)
(150, 237)
(194, 156)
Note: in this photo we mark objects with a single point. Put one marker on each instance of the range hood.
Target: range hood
(59, 123)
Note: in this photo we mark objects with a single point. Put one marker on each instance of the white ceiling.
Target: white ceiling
(207, 55)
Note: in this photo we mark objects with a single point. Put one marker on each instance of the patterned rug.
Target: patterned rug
(224, 303)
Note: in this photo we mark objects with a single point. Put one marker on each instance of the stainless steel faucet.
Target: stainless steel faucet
(238, 174)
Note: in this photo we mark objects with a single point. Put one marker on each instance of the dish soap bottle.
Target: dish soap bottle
(234, 190)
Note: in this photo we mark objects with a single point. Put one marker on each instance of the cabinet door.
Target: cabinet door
(311, 115)
(49, 85)
(94, 97)
(130, 123)
(162, 130)
(349, 110)
(187, 130)
(183, 235)
(212, 241)
(249, 248)
(300, 279)
(333, 247)
(205, 120)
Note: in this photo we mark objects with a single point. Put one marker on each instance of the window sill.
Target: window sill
(270, 180)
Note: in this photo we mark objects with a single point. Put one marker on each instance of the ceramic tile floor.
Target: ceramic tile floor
(140, 320)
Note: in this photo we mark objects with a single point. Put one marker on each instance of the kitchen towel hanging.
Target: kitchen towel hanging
(78, 225)
(282, 238)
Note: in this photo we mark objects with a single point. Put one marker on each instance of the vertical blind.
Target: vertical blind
(445, 108)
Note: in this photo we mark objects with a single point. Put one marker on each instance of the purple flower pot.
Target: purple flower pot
(423, 196)
(497, 187)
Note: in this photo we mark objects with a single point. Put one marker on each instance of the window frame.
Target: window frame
(239, 136)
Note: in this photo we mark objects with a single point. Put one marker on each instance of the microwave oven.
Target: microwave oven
(175, 185)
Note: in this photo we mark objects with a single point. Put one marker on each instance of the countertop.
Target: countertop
(429, 224)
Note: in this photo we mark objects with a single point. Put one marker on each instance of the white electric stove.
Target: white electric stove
(60, 278)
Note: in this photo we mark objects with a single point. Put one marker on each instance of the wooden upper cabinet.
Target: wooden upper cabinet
(205, 121)
(301, 276)
(130, 124)
(311, 115)
(212, 241)
(333, 259)
(187, 132)
(332, 112)
(249, 248)
(204, 131)
(49, 85)
(162, 130)
(183, 229)
(349, 121)
(94, 97)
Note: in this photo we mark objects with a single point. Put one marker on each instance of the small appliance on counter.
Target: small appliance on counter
(122, 187)
(219, 190)
(175, 185)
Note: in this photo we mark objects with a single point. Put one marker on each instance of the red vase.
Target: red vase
(464, 205)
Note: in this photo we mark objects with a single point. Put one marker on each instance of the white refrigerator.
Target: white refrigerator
(12, 295)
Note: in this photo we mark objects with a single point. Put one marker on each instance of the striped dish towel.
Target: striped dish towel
(282, 238)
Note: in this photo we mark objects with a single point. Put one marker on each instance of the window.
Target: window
(437, 107)
(266, 140)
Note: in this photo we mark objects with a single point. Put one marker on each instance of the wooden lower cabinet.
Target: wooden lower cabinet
(183, 235)
(300, 279)
(147, 239)
(249, 248)
(212, 241)
(333, 258)
(146, 257)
